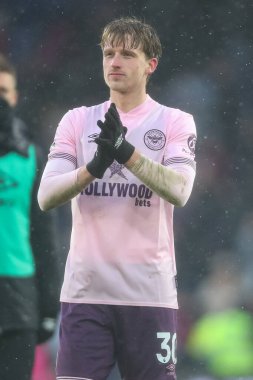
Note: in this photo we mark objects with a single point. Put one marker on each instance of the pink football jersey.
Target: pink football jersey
(122, 241)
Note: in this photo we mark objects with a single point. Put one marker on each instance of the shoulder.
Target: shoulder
(22, 138)
(172, 114)
(176, 113)
(179, 123)
(83, 110)
(176, 117)
(73, 114)
(21, 130)
(77, 115)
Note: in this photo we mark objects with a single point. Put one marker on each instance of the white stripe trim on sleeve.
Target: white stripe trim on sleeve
(64, 156)
(180, 160)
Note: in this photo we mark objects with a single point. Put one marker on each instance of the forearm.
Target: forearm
(169, 184)
(57, 188)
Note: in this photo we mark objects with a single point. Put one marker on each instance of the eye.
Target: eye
(127, 54)
(108, 53)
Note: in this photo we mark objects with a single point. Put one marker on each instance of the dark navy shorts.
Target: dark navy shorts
(142, 340)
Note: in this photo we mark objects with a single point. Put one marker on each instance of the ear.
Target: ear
(152, 65)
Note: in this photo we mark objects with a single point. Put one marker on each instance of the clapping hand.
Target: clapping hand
(112, 137)
(111, 144)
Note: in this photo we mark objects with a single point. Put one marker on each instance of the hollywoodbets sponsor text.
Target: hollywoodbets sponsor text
(140, 193)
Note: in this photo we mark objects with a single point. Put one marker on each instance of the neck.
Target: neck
(126, 102)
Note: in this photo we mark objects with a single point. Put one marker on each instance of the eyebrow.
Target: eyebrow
(124, 50)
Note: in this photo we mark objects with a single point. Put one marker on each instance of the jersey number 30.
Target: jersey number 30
(168, 345)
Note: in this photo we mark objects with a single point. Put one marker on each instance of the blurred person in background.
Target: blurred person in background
(124, 164)
(29, 280)
(220, 342)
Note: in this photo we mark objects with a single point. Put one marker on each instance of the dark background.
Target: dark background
(206, 69)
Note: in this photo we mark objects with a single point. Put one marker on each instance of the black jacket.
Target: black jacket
(26, 302)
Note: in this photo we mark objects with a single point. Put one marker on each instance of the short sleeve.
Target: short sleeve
(64, 144)
(181, 141)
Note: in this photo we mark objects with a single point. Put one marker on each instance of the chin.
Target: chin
(117, 87)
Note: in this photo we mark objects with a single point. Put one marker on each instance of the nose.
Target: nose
(116, 61)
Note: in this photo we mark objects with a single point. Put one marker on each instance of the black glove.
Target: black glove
(103, 158)
(100, 162)
(112, 137)
(46, 329)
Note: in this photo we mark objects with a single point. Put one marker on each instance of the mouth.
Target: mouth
(116, 75)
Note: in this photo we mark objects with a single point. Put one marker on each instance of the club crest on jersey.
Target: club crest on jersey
(192, 143)
(154, 139)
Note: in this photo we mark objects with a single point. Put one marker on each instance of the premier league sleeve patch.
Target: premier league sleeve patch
(192, 143)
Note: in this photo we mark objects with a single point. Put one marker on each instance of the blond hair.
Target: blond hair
(142, 35)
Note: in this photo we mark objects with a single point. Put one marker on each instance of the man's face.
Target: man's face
(126, 69)
(8, 88)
